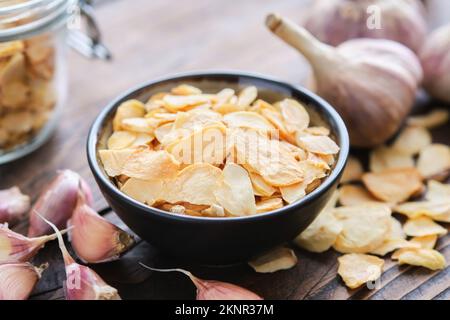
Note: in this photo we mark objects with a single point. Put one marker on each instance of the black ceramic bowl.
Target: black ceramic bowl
(219, 240)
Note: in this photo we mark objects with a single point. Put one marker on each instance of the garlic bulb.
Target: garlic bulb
(372, 83)
(82, 283)
(435, 59)
(17, 280)
(15, 247)
(94, 238)
(336, 21)
(13, 205)
(212, 289)
(57, 202)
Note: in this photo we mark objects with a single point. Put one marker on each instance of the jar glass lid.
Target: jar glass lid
(25, 18)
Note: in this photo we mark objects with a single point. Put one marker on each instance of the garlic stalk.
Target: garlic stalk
(435, 59)
(336, 21)
(213, 290)
(371, 82)
(15, 247)
(13, 205)
(17, 280)
(94, 238)
(82, 283)
(57, 202)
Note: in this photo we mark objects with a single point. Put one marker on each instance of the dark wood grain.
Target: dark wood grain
(154, 38)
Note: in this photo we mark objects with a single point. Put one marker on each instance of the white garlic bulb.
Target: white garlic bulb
(336, 21)
(372, 83)
(435, 59)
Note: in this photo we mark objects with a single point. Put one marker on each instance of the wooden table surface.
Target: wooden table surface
(159, 37)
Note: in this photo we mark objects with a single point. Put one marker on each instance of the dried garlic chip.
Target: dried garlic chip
(433, 119)
(411, 140)
(274, 117)
(142, 139)
(136, 125)
(321, 234)
(317, 131)
(313, 171)
(364, 228)
(426, 242)
(177, 209)
(162, 131)
(185, 90)
(437, 191)
(267, 205)
(358, 269)
(197, 119)
(436, 210)
(393, 244)
(114, 160)
(195, 184)
(224, 96)
(275, 260)
(317, 144)
(353, 170)
(294, 114)
(396, 230)
(235, 193)
(176, 103)
(128, 109)
(261, 187)
(247, 96)
(146, 164)
(267, 158)
(423, 226)
(434, 160)
(383, 158)
(247, 119)
(207, 145)
(14, 94)
(428, 258)
(121, 140)
(10, 48)
(351, 195)
(393, 185)
(214, 210)
(143, 190)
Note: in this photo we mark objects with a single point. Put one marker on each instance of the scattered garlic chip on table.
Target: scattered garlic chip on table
(437, 191)
(433, 119)
(383, 158)
(351, 195)
(357, 269)
(428, 258)
(426, 242)
(423, 226)
(393, 185)
(438, 210)
(281, 258)
(412, 139)
(364, 228)
(353, 170)
(434, 160)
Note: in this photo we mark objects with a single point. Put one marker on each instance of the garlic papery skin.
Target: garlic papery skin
(213, 290)
(13, 205)
(57, 202)
(372, 83)
(94, 238)
(17, 280)
(15, 247)
(82, 283)
(435, 59)
(336, 21)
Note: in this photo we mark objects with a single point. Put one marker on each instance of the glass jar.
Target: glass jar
(33, 78)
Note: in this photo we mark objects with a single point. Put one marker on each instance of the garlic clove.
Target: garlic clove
(94, 238)
(82, 283)
(372, 83)
(337, 21)
(15, 247)
(435, 56)
(17, 280)
(57, 202)
(213, 290)
(13, 205)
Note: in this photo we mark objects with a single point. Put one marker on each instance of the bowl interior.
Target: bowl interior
(321, 113)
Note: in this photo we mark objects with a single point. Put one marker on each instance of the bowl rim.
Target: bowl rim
(341, 133)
